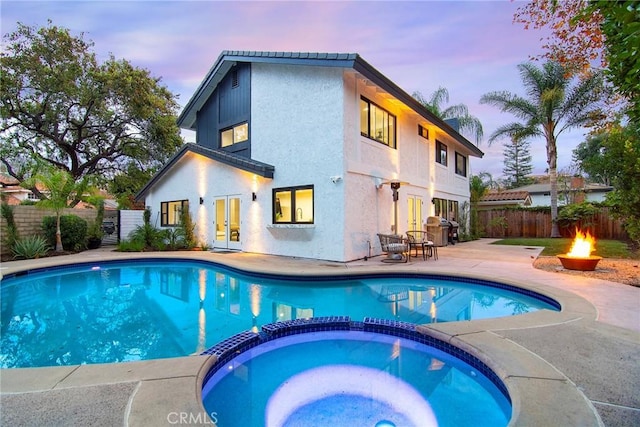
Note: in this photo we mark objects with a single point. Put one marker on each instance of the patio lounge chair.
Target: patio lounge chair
(395, 246)
(424, 241)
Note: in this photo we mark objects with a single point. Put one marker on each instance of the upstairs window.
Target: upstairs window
(423, 132)
(441, 153)
(293, 205)
(377, 123)
(171, 212)
(461, 164)
(234, 135)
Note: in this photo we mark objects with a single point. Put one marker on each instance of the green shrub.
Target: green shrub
(73, 230)
(30, 247)
(149, 236)
(577, 215)
(187, 230)
(12, 235)
(131, 246)
(95, 231)
(174, 239)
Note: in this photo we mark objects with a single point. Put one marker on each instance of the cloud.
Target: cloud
(469, 47)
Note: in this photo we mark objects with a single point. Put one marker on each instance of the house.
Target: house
(12, 193)
(570, 190)
(498, 199)
(308, 155)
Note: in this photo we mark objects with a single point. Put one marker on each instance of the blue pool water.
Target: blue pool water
(351, 378)
(148, 309)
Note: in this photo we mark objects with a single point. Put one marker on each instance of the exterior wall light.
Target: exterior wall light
(201, 200)
(254, 196)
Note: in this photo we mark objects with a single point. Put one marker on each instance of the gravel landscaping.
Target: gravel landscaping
(626, 271)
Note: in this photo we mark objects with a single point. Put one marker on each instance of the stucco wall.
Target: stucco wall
(297, 126)
(370, 210)
(305, 121)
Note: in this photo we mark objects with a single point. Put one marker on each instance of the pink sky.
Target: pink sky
(468, 47)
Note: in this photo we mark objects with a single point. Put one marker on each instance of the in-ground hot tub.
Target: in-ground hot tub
(326, 371)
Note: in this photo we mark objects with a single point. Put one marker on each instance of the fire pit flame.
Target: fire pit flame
(582, 246)
(579, 256)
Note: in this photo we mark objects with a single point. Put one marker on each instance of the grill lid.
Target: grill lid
(437, 220)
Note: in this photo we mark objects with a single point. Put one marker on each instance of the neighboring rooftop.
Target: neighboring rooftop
(505, 195)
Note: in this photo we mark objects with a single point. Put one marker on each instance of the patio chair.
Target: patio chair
(424, 241)
(395, 246)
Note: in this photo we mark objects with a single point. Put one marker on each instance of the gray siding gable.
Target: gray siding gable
(226, 106)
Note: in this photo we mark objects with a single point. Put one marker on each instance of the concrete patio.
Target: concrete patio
(577, 367)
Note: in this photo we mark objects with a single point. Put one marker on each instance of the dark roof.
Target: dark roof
(354, 61)
(227, 158)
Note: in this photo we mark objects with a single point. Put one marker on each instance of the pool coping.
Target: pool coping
(540, 393)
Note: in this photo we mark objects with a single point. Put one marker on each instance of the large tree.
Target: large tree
(436, 104)
(590, 158)
(61, 106)
(622, 146)
(575, 39)
(517, 163)
(584, 33)
(553, 106)
(621, 28)
(612, 156)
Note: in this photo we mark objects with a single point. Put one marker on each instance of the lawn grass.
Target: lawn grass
(555, 246)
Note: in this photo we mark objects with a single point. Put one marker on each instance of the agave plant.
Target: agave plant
(30, 247)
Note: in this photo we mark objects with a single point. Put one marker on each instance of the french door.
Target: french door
(227, 222)
(414, 213)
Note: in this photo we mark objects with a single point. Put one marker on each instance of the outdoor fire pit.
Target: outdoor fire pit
(579, 256)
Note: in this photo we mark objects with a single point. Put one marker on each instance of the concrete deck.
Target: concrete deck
(577, 367)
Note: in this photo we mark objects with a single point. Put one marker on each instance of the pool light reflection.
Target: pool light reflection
(343, 381)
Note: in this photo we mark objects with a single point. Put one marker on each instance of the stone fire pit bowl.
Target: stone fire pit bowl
(581, 264)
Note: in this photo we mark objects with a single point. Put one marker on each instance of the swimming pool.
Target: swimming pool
(346, 372)
(120, 311)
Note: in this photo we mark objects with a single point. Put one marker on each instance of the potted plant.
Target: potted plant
(94, 236)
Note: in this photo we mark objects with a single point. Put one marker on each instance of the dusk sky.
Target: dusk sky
(468, 47)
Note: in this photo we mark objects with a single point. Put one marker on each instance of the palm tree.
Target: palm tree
(466, 122)
(552, 106)
(60, 187)
(479, 185)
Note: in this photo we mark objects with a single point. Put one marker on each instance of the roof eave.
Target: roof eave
(227, 59)
(367, 70)
(187, 118)
(248, 165)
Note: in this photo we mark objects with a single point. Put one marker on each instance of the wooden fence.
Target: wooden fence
(502, 223)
